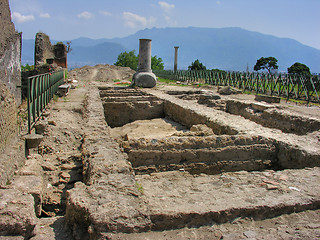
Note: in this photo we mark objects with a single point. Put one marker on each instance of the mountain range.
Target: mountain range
(233, 49)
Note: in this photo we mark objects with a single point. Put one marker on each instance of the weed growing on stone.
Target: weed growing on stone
(140, 188)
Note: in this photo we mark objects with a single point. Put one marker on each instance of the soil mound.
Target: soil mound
(102, 72)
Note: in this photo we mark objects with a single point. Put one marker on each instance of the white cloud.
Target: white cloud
(19, 18)
(166, 6)
(105, 13)
(85, 15)
(45, 15)
(133, 20)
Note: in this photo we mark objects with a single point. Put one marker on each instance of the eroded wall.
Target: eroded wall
(10, 52)
(10, 75)
(46, 53)
(10, 94)
(43, 49)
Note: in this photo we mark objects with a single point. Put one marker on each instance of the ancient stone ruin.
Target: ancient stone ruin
(158, 162)
(46, 53)
(144, 76)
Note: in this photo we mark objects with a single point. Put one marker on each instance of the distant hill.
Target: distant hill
(223, 48)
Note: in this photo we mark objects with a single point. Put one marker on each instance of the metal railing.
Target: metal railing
(40, 91)
(283, 85)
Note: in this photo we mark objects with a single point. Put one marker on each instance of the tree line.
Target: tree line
(130, 59)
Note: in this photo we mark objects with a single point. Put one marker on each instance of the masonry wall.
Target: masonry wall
(10, 94)
(43, 49)
(8, 116)
(10, 75)
(45, 52)
(10, 66)
(10, 52)
(6, 25)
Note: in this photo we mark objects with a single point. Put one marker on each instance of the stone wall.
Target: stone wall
(8, 116)
(10, 75)
(10, 66)
(43, 49)
(11, 148)
(10, 52)
(6, 25)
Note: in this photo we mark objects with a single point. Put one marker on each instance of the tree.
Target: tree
(268, 63)
(299, 68)
(197, 65)
(156, 63)
(127, 59)
(68, 45)
(27, 68)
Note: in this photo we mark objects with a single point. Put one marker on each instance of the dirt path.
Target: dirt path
(62, 160)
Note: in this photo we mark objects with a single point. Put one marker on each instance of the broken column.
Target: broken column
(144, 76)
(175, 68)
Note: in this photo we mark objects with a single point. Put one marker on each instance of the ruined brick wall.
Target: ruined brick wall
(10, 52)
(60, 55)
(44, 52)
(43, 49)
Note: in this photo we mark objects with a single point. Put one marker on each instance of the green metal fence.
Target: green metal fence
(282, 85)
(40, 91)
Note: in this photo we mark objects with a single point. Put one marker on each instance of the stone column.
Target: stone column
(144, 76)
(175, 68)
(144, 55)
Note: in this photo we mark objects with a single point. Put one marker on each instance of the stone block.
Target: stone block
(268, 99)
(144, 79)
(33, 140)
(32, 166)
(261, 106)
(41, 127)
(227, 90)
(17, 216)
(30, 185)
(209, 97)
(63, 90)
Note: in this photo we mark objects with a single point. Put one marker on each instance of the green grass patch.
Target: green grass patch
(55, 98)
(167, 81)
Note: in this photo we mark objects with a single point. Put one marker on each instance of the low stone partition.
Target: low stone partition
(272, 117)
(189, 117)
(210, 155)
(123, 106)
(108, 199)
(128, 105)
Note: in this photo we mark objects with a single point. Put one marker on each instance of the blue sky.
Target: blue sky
(70, 19)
